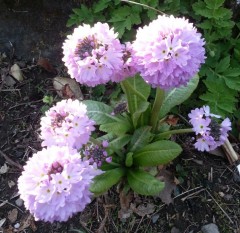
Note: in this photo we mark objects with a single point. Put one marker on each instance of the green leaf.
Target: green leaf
(219, 96)
(106, 180)
(232, 82)
(100, 112)
(143, 106)
(178, 96)
(143, 183)
(214, 4)
(160, 152)
(141, 137)
(223, 65)
(137, 91)
(221, 13)
(129, 159)
(200, 9)
(119, 142)
(117, 128)
(101, 5)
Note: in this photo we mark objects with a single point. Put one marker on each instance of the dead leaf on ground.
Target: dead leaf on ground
(67, 88)
(143, 210)
(172, 120)
(125, 199)
(16, 72)
(12, 215)
(4, 169)
(27, 221)
(168, 178)
(45, 64)
(11, 183)
(2, 221)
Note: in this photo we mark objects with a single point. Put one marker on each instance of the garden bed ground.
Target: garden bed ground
(207, 190)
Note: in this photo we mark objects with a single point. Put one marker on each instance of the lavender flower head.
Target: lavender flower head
(66, 124)
(93, 54)
(97, 154)
(210, 134)
(169, 52)
(55, 183)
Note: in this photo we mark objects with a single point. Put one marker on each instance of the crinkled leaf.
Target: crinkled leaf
(119, 142)
(143, 183)
(214, 4)
(178, 96)
(117, 128)
(100, 112)
(137, 91)
(141, 137)
(106, 180)
(159, 152)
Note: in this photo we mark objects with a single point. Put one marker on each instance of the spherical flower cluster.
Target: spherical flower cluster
(97, 154)
(55, 183)
(169, 52)
(209, 133)
(93, 54)
(67, 124)
(129, 68)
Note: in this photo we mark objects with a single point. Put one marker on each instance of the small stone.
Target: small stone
(210, 228)
(17, 225)
(155, 217)
(19, 202)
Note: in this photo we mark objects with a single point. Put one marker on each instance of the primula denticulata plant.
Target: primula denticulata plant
(73, 166)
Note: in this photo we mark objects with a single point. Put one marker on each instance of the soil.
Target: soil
(208, 187)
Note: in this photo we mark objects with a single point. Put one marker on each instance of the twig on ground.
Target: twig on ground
(103, 223)
(10, 161)
(192, 194)
(139, 224)
(181, 194)
(220, 206)
(9, 203)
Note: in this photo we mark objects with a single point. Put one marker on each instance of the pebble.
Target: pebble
(17, 225)
(19, 202)
(210, 228)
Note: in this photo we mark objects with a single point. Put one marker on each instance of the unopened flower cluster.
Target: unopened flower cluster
(209, 133)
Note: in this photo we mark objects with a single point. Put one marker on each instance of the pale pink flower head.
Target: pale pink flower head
(55, 183)
(169, 52)
(66, 124)
(93, 54)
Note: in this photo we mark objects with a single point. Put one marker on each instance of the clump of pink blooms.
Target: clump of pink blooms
(97, 154)
(55, 183)
(129, 68)
(93, 54)
(66, 124)
(169, 52)
(209, 133)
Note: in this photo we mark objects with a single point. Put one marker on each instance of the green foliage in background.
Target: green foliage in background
(220, 75)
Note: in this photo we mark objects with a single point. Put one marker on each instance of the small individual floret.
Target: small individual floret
(97, 154)
(66, 124)
(210, 134)
(93, 54)
(169, 52)
(55, 183)
(129, 64)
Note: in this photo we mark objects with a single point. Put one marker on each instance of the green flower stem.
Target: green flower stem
(176, 131)
(156, 108)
